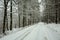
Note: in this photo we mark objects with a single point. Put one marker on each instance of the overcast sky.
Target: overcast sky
(39, 0)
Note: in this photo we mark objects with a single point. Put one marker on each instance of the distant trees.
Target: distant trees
(29, 12)
(51, 13)
(24, 13)
(57, 6)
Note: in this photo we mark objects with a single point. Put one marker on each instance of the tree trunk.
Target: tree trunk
(5, 15)
(19, 20)
(10, 14)
(56, 11)
(7, 24)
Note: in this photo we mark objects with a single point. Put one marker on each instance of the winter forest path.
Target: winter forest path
(39, 31)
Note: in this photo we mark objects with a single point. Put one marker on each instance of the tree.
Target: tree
(19, 20)
(7, 23)
(5, 14)
(10, 14)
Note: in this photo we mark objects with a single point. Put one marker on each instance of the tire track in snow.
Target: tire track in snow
(29, 33)
(42, 33)
(17, 34)
(32, 35)
(52, 34)
(26, 33)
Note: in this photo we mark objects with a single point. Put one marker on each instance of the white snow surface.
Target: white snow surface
(40, 31)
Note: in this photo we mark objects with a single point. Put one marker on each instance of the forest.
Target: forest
(21, 13)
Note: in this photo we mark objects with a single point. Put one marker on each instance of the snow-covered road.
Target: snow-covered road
(39, 31)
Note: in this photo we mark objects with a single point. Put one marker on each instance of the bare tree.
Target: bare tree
(5, 14)
(10, 14)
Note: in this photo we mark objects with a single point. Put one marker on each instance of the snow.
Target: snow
(13, 30)
(40, 31)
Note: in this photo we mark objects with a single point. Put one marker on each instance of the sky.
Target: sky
(42, 8)
(39, 0)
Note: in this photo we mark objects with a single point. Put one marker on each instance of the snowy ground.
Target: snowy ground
(40, 31)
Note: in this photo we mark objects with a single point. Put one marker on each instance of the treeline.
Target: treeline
(28, 13)
(52, 11)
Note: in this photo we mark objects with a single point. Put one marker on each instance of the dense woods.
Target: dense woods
(21, 13)
(28, 12)
(52, 11)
